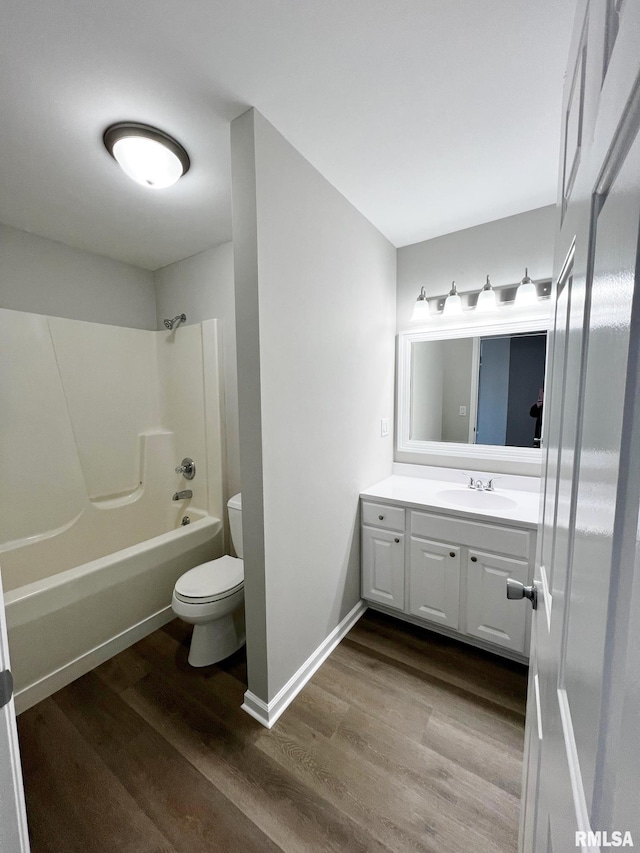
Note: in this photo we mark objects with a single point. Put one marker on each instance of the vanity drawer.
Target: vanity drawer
(383, 515)
(489, 537)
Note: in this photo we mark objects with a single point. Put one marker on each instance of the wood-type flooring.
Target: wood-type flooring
(402, 741)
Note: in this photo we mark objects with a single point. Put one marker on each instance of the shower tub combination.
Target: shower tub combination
(83, 611)
(101, 574)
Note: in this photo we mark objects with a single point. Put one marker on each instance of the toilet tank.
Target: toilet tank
(234, 505)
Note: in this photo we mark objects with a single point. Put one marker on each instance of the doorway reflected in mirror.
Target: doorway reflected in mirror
(479, 390)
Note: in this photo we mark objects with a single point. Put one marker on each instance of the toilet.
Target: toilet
(211, 598)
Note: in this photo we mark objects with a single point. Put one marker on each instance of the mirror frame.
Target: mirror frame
(536, 320)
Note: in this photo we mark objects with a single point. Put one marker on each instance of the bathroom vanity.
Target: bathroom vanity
(438, 554)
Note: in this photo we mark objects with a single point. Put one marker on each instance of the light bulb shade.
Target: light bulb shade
(453, 303)
(487, 301)
(147, 155)
(421, 308)
(420, 311)
(452, 306)
(526, 294)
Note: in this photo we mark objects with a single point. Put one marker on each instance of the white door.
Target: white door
(582, 761)
(13, 816)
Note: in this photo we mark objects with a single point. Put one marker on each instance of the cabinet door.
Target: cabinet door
(383, 567)
(489, 615)
(434, 581)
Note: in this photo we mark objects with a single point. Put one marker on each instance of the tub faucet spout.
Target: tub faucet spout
(182, 496)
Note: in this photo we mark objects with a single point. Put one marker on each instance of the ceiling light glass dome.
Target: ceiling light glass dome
(147, 155)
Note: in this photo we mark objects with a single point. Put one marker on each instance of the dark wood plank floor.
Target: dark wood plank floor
(402, 741)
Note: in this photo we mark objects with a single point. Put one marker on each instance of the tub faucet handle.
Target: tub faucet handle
(182, 496)
(187, 468)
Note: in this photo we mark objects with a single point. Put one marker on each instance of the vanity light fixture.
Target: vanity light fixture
(453, 303)
(526, 294)
(147, 155)
(487, 299)
(421, 308)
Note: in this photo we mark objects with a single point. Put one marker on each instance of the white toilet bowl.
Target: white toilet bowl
(211, 598)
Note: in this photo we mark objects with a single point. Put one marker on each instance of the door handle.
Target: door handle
(515, 590)
(6, 687)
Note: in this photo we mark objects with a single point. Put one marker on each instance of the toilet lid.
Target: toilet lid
(215, 579)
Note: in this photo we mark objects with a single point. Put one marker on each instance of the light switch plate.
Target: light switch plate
(463, 411)
(384, 426)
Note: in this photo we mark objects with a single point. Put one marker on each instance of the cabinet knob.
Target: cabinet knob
(381, 517)
(396, 539)
(474, 559)
(452, 553)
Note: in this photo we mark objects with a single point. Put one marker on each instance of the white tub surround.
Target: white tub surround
(438, 554)
(96, 418)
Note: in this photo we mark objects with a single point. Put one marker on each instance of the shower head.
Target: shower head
(173, 324)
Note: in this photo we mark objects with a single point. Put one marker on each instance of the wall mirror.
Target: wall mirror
(473, 390)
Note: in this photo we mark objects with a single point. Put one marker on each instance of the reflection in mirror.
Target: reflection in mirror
(478, 390)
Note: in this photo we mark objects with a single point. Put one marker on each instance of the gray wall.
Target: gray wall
(457, 357)
(501, 249)
(202, 288)
(315, 300)
(426, 391)
(46, 277)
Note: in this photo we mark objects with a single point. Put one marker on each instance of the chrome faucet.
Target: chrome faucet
(183, 495)
(479, 485)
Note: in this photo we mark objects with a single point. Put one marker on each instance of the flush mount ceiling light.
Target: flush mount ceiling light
(487, 299)
(526, 293)
(453, 303)
(421, 308)
(148, 155)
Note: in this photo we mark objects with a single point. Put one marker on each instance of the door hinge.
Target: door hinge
(6, 687)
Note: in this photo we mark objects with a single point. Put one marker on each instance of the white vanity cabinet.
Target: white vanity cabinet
(449, 573)
(434, 581)
(490, 616)
(383, 554)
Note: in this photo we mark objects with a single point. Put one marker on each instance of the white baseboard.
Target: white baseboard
(268, 713)
(59, 678)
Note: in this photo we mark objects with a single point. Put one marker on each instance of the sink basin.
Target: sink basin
(475, 499)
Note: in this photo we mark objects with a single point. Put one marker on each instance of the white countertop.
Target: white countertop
(426, 493)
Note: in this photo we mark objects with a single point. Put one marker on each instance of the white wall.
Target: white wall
(501, 249)
(46, 277)
(315, 285)
(202, 288)
(79, 403)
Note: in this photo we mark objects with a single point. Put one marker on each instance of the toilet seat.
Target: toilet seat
(210, 582)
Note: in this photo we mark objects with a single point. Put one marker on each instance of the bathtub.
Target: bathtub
(62, 626)
(77, 595)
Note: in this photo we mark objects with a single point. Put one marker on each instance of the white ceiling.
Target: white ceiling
(428, 115)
